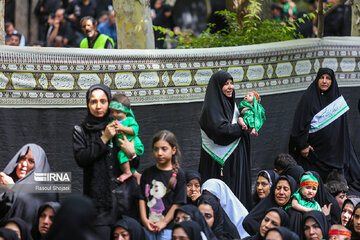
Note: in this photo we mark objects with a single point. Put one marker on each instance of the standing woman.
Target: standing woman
(320, 138)
(93, 153)
(225, 152)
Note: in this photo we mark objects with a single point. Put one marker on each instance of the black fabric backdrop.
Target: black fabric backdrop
(52, 129)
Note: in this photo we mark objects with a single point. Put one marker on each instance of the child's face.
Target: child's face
(163, 152)
(118, 115)
(249, 97)
(309, 191)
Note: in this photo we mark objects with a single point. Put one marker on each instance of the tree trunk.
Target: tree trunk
(134, 24)
(239, 7)
(355, 23)
(321, 20)
(2, 22)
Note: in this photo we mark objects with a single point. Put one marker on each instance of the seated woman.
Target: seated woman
(281, 233)
(274, 217)
(186, 230)
(216, 217)
(18, 175)
(228, 201)
(265, 181)
(348, 209)
(45, 217)
(191, 213)
(128, 228)
(315, 225)
(279, 197)
(20, 227)
(193, 181)
(354, 225)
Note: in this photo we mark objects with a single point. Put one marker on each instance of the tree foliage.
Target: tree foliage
(253, 31)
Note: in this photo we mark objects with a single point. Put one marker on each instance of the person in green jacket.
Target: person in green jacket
(94, 39)
(252, 114)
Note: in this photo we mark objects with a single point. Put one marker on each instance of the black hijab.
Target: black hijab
(192, 229)
(35, 229)
(253, 220)
(320, 218)
(23, 226)
(91, 122)
(8, 234)
(190, 175)
(217, 109)
(74, 220)
(294, 170)
(272, 178)
(328, 148)
(19, 202)
(134, 228)
(284, 217)
(223, 228)
(196, 216)
(285, 233)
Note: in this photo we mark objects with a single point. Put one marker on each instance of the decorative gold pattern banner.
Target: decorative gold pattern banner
(51, 77)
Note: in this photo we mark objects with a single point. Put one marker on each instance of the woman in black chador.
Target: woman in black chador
(225, 152)
(320, 137)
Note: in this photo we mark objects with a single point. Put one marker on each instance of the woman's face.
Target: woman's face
(228, 88)
(179, 234)
(208, 213)
(98, 103)
(346, 213)
(273, 235)
(45, 220)
(324, 82)
(121, 233)
(181, 216)
(282, 192)
(262, 187)
(356, 219)
(14, 227)
(312, 230)
(272, 219)
(193, 186)
(26, 164)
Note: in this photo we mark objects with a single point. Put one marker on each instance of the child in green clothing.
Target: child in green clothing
(121, 111)
(252, 114)
(303, 198)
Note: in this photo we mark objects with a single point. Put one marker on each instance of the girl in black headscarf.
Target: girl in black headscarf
(216, 217)
(18, 202)
(190, 228)
(22, 226)
(133, 228)
(193, 186)
(284, 232)
(354, 224)
(75, 220)
(8, 234)
(92, 141)
(265, 182)
(35, 231)
(348, 209)
(321, 222)
(320, 137)
(196, 216)
(225, 152)
(279, 197)
(269, 221)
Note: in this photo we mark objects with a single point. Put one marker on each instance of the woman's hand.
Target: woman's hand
(109, 132)
(127, 146)
(159, 226)
(5, 179)
(326, 209)
(305, 151)
(149, 225)
(194, 196)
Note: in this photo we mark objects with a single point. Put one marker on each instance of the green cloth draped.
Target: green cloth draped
(255, 116)
(308, 204)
